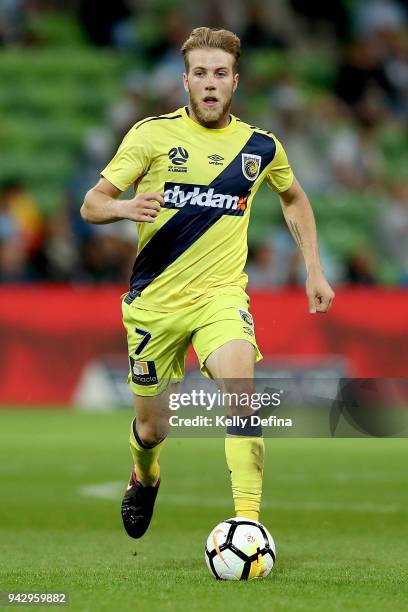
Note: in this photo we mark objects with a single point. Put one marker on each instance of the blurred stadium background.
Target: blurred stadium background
(330, 80)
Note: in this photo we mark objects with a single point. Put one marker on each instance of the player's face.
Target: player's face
(210, 83)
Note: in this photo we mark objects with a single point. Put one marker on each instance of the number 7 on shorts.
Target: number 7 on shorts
(147, 336)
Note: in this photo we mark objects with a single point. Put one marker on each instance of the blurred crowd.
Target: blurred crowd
(334, 140)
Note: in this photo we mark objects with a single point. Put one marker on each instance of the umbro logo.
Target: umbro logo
(216, 160)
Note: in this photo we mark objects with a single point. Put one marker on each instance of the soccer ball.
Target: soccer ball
(240, 549)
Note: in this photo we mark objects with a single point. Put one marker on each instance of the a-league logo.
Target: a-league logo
(178, 156)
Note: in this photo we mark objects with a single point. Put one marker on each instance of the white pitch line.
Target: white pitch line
(114, 491)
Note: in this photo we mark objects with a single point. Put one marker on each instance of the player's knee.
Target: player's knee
(238, 386)
(238, 393)
(150, 434)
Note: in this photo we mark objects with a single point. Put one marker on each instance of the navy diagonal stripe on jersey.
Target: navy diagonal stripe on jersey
(191, 222)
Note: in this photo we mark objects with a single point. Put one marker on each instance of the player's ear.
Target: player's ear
(185, 81)
(235, 81)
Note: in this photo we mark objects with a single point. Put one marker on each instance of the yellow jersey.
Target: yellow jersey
(197, 246)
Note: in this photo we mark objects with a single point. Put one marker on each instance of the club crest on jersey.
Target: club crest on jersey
(251, 165)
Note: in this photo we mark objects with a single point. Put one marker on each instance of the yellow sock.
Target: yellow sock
(245, 460)
(145, 458)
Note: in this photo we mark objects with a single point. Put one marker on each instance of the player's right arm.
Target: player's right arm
(130, 163)
(102, 206)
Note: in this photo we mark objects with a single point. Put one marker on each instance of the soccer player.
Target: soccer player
(195, 172)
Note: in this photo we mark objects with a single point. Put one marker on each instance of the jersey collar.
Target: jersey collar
(205, 130)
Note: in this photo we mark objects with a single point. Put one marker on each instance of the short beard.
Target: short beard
(207, 118)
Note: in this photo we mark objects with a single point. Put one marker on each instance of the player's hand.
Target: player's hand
(319, 293)
(143, 208)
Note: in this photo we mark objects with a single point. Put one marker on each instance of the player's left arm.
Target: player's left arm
(300, 219)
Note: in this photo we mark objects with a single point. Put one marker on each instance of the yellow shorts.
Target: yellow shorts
(158, 342)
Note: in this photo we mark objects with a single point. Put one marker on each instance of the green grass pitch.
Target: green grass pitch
(338, 510)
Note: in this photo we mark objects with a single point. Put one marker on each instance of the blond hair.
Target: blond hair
(211, 38)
